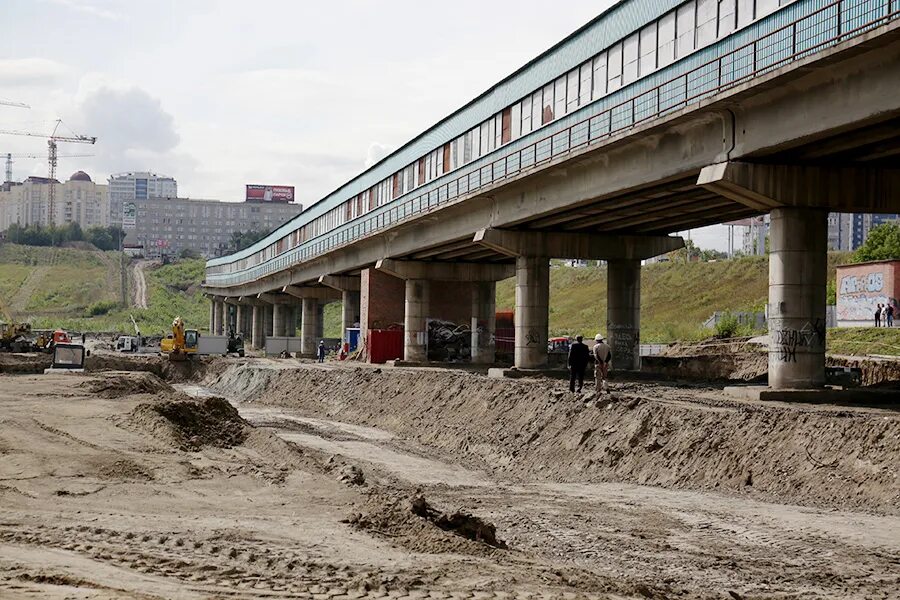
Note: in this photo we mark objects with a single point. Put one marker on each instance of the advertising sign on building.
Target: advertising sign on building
(129, 215)
(270, 193)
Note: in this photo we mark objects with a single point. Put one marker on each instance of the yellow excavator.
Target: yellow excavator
(14, 336)
(181, 344)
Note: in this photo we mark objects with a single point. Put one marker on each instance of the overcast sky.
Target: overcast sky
(220, 93)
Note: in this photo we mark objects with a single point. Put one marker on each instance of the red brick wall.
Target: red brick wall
(381, 300)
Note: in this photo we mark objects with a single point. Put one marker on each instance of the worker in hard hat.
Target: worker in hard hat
(322, 351)
(602, 357)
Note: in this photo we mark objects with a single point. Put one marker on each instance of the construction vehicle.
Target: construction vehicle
(14, 336)
(130, 343)
(181, 344)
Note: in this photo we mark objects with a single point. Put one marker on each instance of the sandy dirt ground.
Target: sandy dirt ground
(118, 485)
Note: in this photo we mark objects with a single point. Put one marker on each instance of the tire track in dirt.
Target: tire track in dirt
(139, 281)
(35, 278)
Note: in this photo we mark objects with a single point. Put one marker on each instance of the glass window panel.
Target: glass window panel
(536, 110)
(599, 76)
(665, 42)
(547, 107)
(485, 136)
(745, 12)
(584, 86)
(727, 17)
(630, 59)
(560, 95)
(648, 50)
(498, 130)
(685, 24)
(706, 22)
(516, 120)
(615, 67)
(572, 94)
(764, 7)
(526, 115)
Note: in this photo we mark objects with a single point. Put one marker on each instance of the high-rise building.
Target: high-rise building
(863, 224)
(125, 187)
(170, 225)
(78, 200)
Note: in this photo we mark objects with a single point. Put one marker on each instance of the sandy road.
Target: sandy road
(97, 500)
(139, 293)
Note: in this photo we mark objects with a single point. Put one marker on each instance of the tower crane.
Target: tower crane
(52, 139)
(10, 157)
(15, 104)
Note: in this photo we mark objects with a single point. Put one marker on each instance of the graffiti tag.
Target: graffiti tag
(787, 341)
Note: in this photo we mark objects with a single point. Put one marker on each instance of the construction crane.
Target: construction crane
(52, 140)
(14, 104)
(10, 157)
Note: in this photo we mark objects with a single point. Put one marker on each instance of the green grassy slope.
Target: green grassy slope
(675, 297)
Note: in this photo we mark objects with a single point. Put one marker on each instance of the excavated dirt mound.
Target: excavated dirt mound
(117, 384)
(641, 433)
(24, 364)
(190, 424)
(161, 366)
(414, 524)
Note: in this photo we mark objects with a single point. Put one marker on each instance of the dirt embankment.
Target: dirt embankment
(642, 433)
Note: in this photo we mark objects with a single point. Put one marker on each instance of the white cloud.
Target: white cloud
(21, 72)
(87, 8)
(376, 153)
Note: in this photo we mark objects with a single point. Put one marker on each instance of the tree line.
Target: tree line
(104, 238)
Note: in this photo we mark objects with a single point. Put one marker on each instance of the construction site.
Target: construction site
(485, 359)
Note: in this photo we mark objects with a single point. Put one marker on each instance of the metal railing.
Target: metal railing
(823, 27)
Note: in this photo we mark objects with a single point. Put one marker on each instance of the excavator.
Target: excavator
(181, 344)
(14, 336)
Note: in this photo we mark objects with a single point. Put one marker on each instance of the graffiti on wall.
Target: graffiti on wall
(858, 296)
(624, 342)
(788, 341)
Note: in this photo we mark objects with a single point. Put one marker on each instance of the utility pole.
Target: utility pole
(122, 267)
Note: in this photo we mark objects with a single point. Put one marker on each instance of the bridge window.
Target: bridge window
(706, 22)
(559, 90)
(525, 108)
(615, 67)
(547, 106)
(665, 41)
(764, 7)
(515, 117)
(630, 58)
(506, 126)
(537, 109)
(467, 148)
(584, 84)
(685, 22)
(648, 49)
(727, 17)
(746, 12)
(599, 77)
(572, 95)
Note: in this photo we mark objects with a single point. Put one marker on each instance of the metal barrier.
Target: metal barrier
(823, 27)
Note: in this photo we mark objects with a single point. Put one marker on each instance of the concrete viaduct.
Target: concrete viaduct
(817, 131)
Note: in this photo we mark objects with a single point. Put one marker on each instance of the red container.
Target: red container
(385, 345)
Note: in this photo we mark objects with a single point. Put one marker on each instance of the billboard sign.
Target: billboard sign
(129, 215)
(270, 193)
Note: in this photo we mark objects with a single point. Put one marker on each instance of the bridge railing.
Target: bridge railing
(828, 24)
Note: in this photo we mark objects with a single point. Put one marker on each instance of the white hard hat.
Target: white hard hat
(598, 337)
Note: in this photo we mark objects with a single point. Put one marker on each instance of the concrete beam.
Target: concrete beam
(342, 283)
(765, 187)
(584, 246)
(323, 294)
(275, 298)
(450, 271)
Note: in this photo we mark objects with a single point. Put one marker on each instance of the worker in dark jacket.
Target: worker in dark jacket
(578, 362)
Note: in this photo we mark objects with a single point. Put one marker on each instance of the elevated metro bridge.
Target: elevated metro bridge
(794, 111)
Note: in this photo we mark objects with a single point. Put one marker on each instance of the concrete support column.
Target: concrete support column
(278, 314)
(320, 320)
(350, 311)
(309, 327)
(257, 335)
(798, 239)
(223, 326)
(532, 311)
(483, 321)
(212, 317)
(239, 312)
(290, 321)
(415, 327)
(269, 323)
(623, 313)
